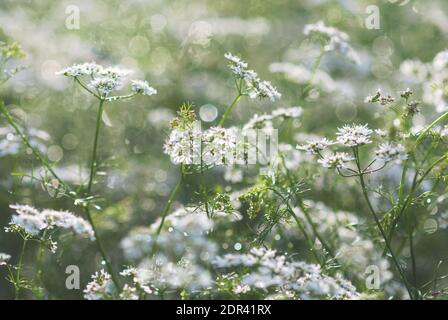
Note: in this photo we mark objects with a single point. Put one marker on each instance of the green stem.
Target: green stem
(306, 212)
(19, 269)
(89, 190)
(100, 246)
(422, 135)
(229, 109)
(314, 68)
(378, 223)
(95, 146)
(415, 184)
(414, 265)
(313, 227)
(165, 211)
(300, 226)
(25, 140)
(39, 263)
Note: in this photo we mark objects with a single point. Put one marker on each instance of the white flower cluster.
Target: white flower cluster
(315, 146)
(273, 273)
(106, 80)
(100, 287)
(130, 292)
(4, 258)
(214, 146)
(265, 120)
(335, 40)
(414, 70)
(354, 135)
(378, 97)
(184, 233)
(162, 274)
(389, 151)
(256, 88)
(432, 76)
(352, 249)
(33, 221)
(338, 160)
(184, 145)
(143, 87)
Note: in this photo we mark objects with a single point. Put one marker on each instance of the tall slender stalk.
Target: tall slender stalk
(378, 223)
(19, 269)
(93, 166)
(229, 110)
(27, 143)
(165, 211)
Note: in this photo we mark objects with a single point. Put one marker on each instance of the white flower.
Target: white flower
(129, 293)
(219, 146)
(265, 121)
(389, 151)
(106, 85)
(315, 146)
(268, 272)
(34, 221)
(143, 87)
(335, 39)
(414, 70)
(184, 145)
(440, 61)
(78, 70)
(381, 133)
(354, 135)
(255, 87)
(101, 286)
(4, 258)
(378, 97)
(238, 66)
(337, 160)
(263, 89)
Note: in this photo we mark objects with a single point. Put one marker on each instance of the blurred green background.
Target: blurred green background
(178, 46)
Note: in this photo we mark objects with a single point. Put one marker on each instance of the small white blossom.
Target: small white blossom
(105, 85)
(34, 221)
(315, 146)
(354, 135)
(335, 39)
(389, 151)
(101, 286)
(143, 87)
(337, 160)
(255, 87)
(378, 97)
(4, 258)
(129, 293)
(414, 70)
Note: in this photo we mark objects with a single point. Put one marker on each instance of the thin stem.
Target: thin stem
(100, 246)
(25, 140)
(165, 211)
(415, 184)
(306, 212)
(314, 68)
(300, 226)
(229, 109)
(95, 146)
(87, 89)
(378, 223)
(422, 135)
(19, 269)
(39, 264)
(89, 190)
(414, 265)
